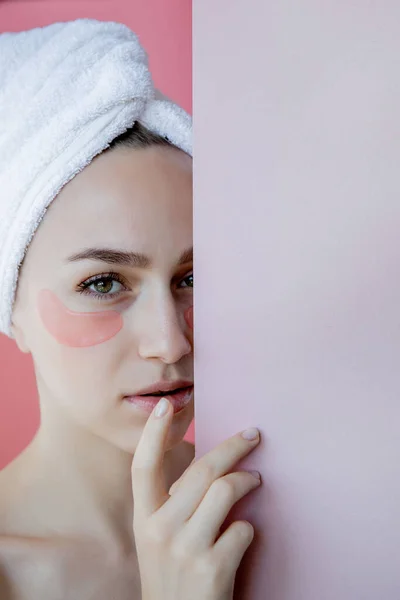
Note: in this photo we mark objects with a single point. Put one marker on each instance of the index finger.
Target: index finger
(148, 485)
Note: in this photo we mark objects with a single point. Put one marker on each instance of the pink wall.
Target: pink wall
(297, 236)
(165, 29)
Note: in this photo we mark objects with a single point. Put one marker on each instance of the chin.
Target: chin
(128, 439)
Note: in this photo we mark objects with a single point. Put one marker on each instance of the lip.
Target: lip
(163, 387)
(178, 392)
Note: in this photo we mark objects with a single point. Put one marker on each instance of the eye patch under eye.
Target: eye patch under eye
(76, 329)
(189, 317)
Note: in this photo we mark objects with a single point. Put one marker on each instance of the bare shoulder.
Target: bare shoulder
(6, 592)
(16, 563)
(25, 565)
(13, 500)
(16, 551)
(62, 569)
(5, 583)
(8, 484)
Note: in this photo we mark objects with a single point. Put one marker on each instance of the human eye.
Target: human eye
(187, 282)
(103, 286)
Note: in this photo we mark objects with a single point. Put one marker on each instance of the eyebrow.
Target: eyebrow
(120, 257)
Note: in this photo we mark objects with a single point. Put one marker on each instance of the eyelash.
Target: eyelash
(106, 277)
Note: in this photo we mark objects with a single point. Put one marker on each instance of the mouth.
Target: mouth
(179, 393)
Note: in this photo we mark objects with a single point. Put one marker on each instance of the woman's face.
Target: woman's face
(105, 289)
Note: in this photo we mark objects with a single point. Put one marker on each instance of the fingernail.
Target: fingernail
(256, 474)
(250, 434)
(161, 408)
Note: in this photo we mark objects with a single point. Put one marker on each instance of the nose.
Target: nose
(163, 330)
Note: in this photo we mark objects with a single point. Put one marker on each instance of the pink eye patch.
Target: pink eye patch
(77, 329)
(189, 316)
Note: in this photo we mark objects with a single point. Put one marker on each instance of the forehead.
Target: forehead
(124, 197)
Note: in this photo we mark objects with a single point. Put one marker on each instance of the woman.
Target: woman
(97, 271)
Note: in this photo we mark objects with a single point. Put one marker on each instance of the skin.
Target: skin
(66, 502)
(189, 317)
(77, 329)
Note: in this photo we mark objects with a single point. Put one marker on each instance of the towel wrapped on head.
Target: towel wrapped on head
(66, 91)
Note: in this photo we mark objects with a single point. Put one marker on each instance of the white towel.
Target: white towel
(66, 91)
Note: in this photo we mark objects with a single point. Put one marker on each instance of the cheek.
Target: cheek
(189, 317)
(73, 329)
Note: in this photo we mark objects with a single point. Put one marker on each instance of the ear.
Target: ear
(19, 337)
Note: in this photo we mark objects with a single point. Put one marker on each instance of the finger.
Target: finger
(201, 475)
(223, 494)
(175, 485)
(231, 546)
(221, 459)
(148, 485)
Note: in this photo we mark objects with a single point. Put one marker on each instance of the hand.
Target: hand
(180, 552)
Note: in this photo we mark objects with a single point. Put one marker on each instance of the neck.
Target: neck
(81, 483)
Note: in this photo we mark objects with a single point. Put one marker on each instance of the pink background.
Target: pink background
(297, 220)
(165, 29)
(297, 237)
